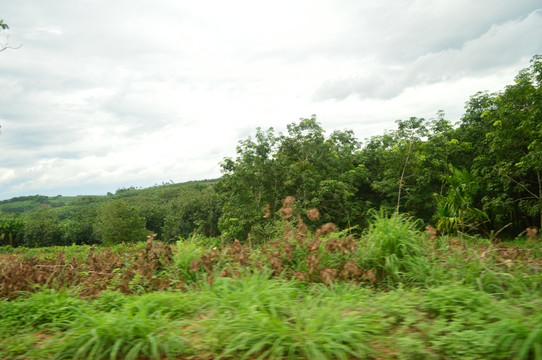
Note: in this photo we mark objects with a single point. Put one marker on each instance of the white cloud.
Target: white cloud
(503, 45)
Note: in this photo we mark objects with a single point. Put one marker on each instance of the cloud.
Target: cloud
(501, 45)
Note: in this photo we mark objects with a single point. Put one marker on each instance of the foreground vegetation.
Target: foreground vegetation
(393, 293)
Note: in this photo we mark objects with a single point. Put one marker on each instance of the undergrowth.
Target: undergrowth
(392, 293)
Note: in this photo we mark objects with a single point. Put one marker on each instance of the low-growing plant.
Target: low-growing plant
(392, 242)
(518, 337)
(172, 305)
(47, 310)
(453, 300)
(263, 324)
(132, 333)
(187, 251)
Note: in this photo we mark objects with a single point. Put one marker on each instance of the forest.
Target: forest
(420, 243)
(480, 176)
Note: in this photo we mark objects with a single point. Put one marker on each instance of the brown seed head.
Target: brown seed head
(313, 214)
(288, 201)
(267, 210)
(286, 212)
(327, 228)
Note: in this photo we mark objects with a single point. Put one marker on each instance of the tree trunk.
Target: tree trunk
(401, 178)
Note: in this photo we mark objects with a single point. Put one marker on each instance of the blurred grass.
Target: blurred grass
(453, 298)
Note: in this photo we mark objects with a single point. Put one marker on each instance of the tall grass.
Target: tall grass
(270, 319)
(393, 246)
(47, 310)
(136, 331)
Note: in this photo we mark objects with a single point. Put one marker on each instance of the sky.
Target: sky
(101, 95)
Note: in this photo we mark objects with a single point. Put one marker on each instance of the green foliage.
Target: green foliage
(393, 245)
(196, 211)
(47, 310)
(446, 299)
(456, 300)
(131, 333)
(41, 228)
(456, 211)
(318, 171)
(187, 251)
(518, 337)
(264, 319)
(10, 231)
(118, 222)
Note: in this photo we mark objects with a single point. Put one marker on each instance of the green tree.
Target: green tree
(251, 181)
(42, 229)
(196, 211)
(509, 162)
(118, 222)
(318, 171)
(79, 227)
(392, 160)
(11, 230)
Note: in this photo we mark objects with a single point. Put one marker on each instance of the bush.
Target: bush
(118, 222)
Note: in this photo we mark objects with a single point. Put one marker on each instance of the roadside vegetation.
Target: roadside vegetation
(421, 244)
(395, 292)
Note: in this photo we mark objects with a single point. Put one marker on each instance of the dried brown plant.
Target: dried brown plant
(325, 229)
(455, 245)
(531, 233)
(288, 201)
(276, 263)
(313, 214)
(351, 270)
(432, 232)
(328, 275)
(369, 275)
(302, 231)
(286, 212)
(313, 245)
(288, 231)
(267, 210)
(312, 262)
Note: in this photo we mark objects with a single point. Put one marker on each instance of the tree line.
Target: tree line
(481, 175)
(129, 215)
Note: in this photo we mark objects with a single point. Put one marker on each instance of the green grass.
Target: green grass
(435, 300)
(130, 333)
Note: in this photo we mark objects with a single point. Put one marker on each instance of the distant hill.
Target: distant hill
(165, 192)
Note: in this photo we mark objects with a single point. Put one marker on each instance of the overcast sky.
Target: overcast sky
(105, 94)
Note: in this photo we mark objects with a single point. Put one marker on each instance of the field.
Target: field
(395, 292)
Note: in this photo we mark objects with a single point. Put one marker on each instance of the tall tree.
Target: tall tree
(515, 141)
(249, 182)
(318, 171)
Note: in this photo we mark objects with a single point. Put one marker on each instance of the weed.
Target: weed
(131, 333)
(392, 243)
(47, 310)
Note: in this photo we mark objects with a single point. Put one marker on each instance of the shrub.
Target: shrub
(118, 222)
